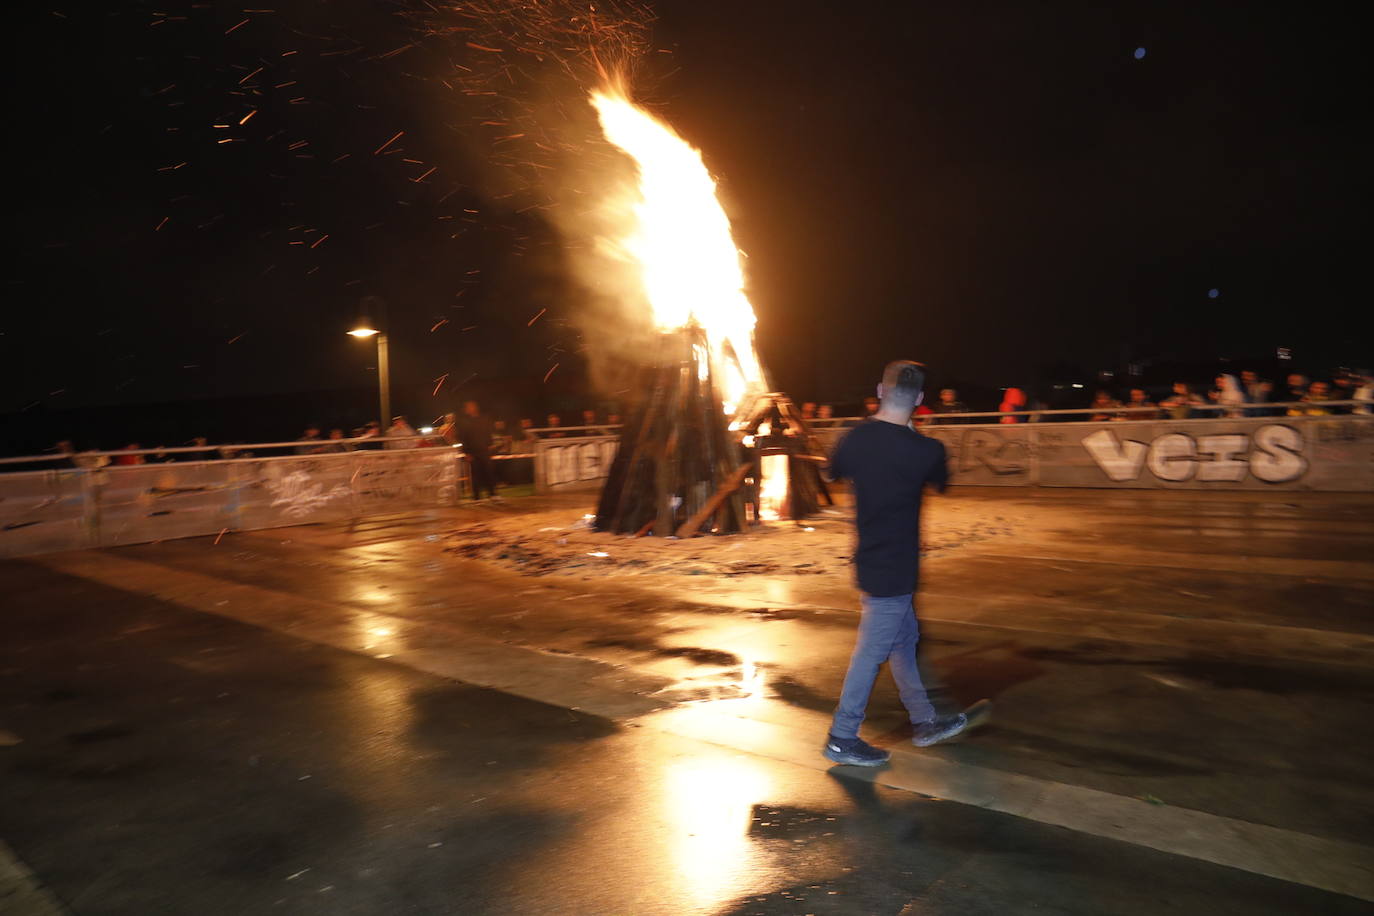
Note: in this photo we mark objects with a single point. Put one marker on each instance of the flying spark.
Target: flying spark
(378, 150)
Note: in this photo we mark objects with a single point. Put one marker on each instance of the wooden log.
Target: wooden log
(730, 485)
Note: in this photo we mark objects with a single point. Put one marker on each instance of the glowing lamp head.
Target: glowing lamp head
(363, 330)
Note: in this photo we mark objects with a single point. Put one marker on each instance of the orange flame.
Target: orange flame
(678, 237)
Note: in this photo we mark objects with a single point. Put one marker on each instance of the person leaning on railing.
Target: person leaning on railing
(1180, 404)
(1104, 406)
(1229, 395)
(1310, 406)
(1140, 402)
(1364, 391)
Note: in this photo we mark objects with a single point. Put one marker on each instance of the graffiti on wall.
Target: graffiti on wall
(297, 495)
(576, 462)
(990, 450)
(1273, 453)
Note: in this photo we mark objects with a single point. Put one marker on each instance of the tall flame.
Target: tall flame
(679, 238)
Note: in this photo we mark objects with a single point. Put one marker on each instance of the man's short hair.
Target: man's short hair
(903, 380)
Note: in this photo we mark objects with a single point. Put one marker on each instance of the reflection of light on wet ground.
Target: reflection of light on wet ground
(376, 634)
(710, 805)
(715, 683)
(751, 679)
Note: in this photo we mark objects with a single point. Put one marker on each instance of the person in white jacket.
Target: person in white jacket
(1230, 395)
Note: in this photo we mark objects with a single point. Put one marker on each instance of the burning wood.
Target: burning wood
(676, 450)
(710, 449)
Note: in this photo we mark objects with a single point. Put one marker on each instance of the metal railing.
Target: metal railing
(1156, 412)
(232, 450)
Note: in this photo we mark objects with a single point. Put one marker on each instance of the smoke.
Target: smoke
(526, 70)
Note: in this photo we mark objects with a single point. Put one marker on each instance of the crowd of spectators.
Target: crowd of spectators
(1228, 395)
(1246, 395)
(470, 428)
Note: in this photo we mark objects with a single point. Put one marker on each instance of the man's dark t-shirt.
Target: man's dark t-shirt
(888, 466)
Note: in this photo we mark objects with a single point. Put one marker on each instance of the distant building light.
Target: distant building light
(1139, 54)
(1285, 353)
(1213, 293)
(1076, 385)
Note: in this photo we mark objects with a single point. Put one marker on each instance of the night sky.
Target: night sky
(1004, 191)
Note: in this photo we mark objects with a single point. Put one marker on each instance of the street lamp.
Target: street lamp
(366, 328)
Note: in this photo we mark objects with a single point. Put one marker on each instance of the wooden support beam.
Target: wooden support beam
(731, 484)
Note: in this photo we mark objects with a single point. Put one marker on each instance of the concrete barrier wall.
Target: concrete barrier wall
(47, 511)
(1298, 453)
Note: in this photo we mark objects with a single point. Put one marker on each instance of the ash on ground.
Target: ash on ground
(536, 540)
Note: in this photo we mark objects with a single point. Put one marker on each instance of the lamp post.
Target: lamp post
(366, 328)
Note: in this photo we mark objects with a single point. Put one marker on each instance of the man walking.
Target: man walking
(888, 465)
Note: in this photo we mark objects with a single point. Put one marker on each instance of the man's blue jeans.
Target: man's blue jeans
(887, 633)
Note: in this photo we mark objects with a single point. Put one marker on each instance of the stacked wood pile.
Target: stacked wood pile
(682, 467)
(678, 470)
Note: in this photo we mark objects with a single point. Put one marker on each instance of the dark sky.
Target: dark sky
(996, 189)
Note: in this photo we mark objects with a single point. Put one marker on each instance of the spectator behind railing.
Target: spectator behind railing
(371, 430)
(1316, 391)
(949, 403)
(1257, 391)
(1297, 387)
(335, 443)
(130, 459)
(1364, 391)
(1013, 399)
(1228, 395)
(1104, 406)
(1139, 400)
(313, 444)
(524, 439)
(1343, 385)
(402, 431)
(1180, 404)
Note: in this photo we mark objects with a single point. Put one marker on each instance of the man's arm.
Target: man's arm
(939, 470)
(838, 467)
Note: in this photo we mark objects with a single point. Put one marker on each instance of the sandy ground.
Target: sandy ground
(559, 541)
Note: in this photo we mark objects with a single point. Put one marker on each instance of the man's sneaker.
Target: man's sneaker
(941, 728)
(855, 752)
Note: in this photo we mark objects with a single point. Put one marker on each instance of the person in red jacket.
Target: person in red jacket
(1013, 399)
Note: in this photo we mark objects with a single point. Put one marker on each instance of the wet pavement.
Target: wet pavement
(351, 720)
